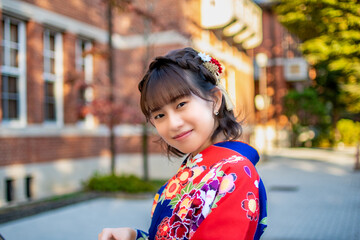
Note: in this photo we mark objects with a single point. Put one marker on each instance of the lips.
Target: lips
(182, 135)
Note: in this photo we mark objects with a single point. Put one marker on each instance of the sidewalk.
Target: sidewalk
(312, 194)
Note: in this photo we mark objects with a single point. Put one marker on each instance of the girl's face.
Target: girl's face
(187, 123)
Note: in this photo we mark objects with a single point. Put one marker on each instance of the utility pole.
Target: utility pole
(111, 86)
(147, 32)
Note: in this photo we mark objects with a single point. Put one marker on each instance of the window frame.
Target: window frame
(18, 71)
(85, 65)
(56, 78)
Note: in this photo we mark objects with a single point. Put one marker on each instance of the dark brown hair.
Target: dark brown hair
(181, 73)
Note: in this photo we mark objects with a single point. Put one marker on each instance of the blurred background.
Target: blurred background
(70, 68)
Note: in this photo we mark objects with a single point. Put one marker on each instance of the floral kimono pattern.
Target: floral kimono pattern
(218, 194)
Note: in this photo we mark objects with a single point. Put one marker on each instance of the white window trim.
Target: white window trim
(88, 60)
(89, 121)
(58, 78)
(19, 72)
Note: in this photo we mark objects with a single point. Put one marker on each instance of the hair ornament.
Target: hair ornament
(211, 64)
(215, 68)
(204, 57)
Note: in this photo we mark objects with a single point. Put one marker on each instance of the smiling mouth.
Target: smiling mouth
(182, 135)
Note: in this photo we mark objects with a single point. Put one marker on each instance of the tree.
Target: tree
(115, 109)
(106, 108)
(330, 35)
(123, 109)
(304, 109)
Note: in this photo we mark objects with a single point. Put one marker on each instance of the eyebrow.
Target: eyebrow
(172, 100)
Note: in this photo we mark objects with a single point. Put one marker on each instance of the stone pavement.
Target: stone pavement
(312, 194)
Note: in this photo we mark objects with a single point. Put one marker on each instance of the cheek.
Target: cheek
(161, 129)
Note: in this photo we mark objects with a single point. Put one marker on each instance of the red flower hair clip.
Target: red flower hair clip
(211, 64)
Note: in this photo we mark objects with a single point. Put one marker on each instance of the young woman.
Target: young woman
(217, 192)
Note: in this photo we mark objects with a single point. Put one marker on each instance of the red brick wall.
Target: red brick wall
(166, 15)
(70, 76)
(44, 149)
(129, 69)
(94, 12)
(88, 11)
(130, 66)
(272, 45)
(35, 81)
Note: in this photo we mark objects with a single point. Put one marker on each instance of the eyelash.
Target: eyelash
(182, 104)
(158, 116)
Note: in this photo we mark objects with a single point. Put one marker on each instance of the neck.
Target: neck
(219, 138)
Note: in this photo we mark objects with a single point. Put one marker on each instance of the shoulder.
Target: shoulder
(241, 148)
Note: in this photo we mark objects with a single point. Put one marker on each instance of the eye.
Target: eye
(180, 104)
(158, 116)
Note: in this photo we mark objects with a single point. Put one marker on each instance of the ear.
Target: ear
(217, 96)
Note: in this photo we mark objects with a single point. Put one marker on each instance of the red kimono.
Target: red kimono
(218, 194)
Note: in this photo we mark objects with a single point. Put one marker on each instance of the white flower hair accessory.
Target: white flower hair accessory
(204, 57)
(215, 68)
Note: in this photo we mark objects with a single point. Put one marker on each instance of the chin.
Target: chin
(186, 150)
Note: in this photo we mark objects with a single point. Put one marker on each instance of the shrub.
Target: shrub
(349, 131)
(123, 183)
(308, 117)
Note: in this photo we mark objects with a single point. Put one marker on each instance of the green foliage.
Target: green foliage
(308, 116)
(349, 131)
(330, 31)
(351, 94)
(123, 183)
(306, 105)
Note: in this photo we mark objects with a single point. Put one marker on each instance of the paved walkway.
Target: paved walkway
(313, 195)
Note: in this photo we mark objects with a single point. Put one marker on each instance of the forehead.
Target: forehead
(166, 85)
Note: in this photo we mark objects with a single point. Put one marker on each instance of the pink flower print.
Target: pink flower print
(208, 193)
(227, 183)
(251, 206)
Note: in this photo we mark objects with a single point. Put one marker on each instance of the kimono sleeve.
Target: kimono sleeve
(141, 235)
(236, 214)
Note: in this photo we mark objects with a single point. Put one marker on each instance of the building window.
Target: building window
(9, 189)
(13, 71)
(10, 97)
(29, 187)
(84, 65)
(53, 77)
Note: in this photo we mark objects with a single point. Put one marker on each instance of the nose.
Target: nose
(175, 121)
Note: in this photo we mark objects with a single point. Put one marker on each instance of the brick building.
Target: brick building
(285, 69)
(51, 49)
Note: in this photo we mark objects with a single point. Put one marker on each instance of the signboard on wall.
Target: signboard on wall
(295, 69)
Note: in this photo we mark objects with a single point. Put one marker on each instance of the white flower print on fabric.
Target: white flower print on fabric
(198, 158)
